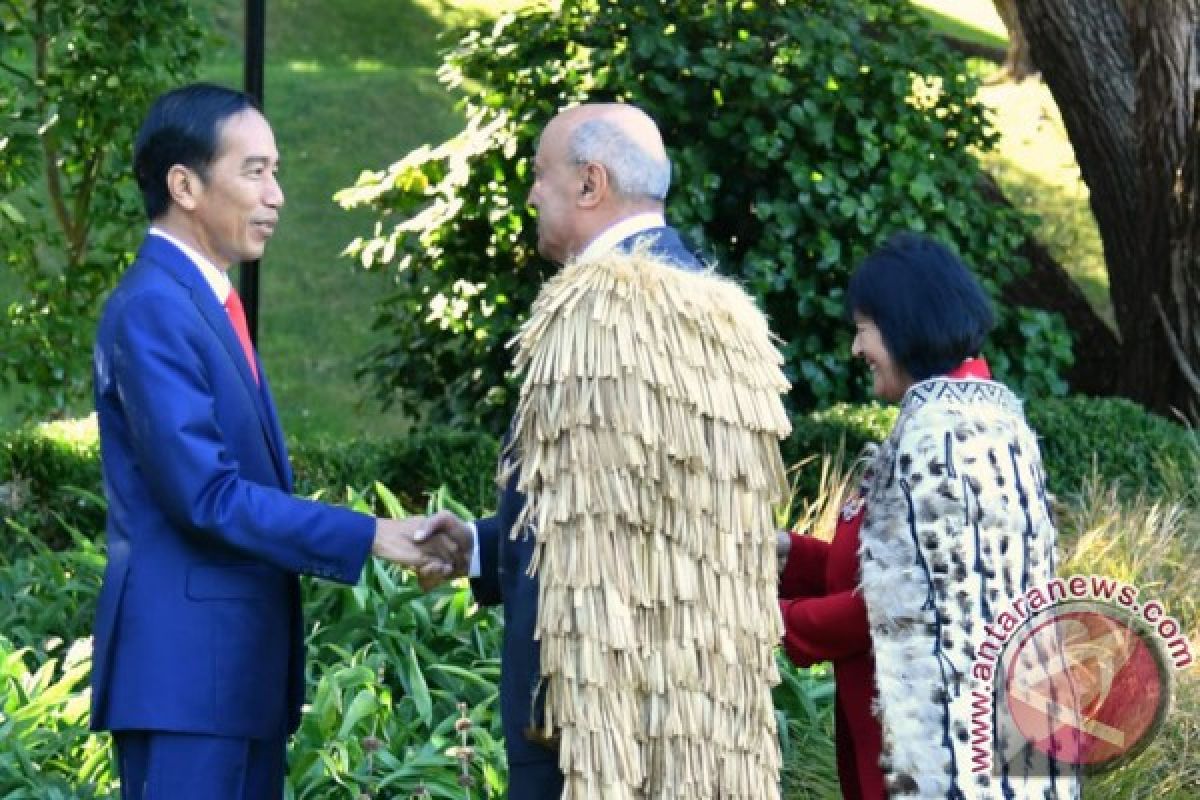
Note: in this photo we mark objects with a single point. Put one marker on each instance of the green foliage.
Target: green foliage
(46, 608)
(49, 753)
(75, 81)
(50, 474)
(804, 710)
(801, 133)
(1105, 440)
(463, 462)
(387, 669)
(1124, 443)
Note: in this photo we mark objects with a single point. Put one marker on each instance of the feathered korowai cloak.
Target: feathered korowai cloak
(957, 528)
(647, 440)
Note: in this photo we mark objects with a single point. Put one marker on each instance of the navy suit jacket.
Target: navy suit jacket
(504, 565)
(198, 624)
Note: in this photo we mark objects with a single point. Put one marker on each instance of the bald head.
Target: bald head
(595, 165)
(625, 141)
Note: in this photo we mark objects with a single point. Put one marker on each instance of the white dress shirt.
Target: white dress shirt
(215, 277)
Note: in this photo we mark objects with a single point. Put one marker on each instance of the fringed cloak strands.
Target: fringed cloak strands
(957, 527)
(648, 442)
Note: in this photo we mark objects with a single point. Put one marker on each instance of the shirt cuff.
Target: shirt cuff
(475, 568)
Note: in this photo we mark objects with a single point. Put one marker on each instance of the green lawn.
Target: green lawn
(348, 87)
(972, 20)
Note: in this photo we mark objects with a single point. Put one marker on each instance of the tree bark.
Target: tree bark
(1118, 71)
(1048, 286)
(1180, 307)
(1017, 64)
(1180, 314)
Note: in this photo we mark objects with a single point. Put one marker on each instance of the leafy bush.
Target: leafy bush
(804, 710)
(1110, 440)
(802, 134)
(50, 474)
(462, 461)
(388, 667)
(47, 601)
(42, 470)
(76, 82)
(1125, 444)
(48, 751)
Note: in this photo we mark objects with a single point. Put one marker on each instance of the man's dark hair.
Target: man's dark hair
(930, 310)
(182, 127)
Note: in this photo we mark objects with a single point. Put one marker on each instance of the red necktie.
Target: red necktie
(237, 315)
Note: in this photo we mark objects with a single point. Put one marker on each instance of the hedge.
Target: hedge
(1112, 438)
(50, 473)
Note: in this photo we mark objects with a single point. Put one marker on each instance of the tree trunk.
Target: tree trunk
(1017, 64)
(1119, 76)
(1048, 286)
(1180, 313)
(1180, 309)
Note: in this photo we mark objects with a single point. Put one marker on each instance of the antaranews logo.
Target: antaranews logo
(1077, 671)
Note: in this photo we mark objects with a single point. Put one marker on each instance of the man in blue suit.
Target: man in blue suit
(199, 649)
(601, 176)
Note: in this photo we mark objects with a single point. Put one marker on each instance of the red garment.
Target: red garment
(825, 619)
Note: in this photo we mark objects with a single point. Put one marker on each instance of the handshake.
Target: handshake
(436, 547)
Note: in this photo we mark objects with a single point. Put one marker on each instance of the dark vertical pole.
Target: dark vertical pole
(256, 45)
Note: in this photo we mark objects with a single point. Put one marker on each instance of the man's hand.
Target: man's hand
(445, 536)
(436, 548)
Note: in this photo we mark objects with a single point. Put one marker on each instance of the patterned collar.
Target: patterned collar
(619, 232)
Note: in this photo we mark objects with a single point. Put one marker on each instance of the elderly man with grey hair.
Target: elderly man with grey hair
(601, 176)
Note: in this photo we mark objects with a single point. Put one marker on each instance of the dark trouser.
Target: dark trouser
(159, 765)
(535, 780)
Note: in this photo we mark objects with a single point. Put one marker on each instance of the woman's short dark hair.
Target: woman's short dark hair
(182, 127)
(930, 310)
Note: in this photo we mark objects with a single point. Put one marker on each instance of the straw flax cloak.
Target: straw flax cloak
(647, 444)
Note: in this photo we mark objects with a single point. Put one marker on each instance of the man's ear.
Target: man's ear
(594, 188)
(184, 186)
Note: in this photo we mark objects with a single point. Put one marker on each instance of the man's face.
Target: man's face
(238, 202)
(556, 187)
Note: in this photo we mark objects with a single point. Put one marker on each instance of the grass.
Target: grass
(970, 20)
(348, 87)
(1153, 544)
(1035, 166)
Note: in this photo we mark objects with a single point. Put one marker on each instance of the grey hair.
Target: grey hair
(632, 171)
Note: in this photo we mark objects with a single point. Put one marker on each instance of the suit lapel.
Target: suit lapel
(180, 267)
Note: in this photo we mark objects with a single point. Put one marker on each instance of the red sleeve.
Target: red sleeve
(825, 628)
(804, 573)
